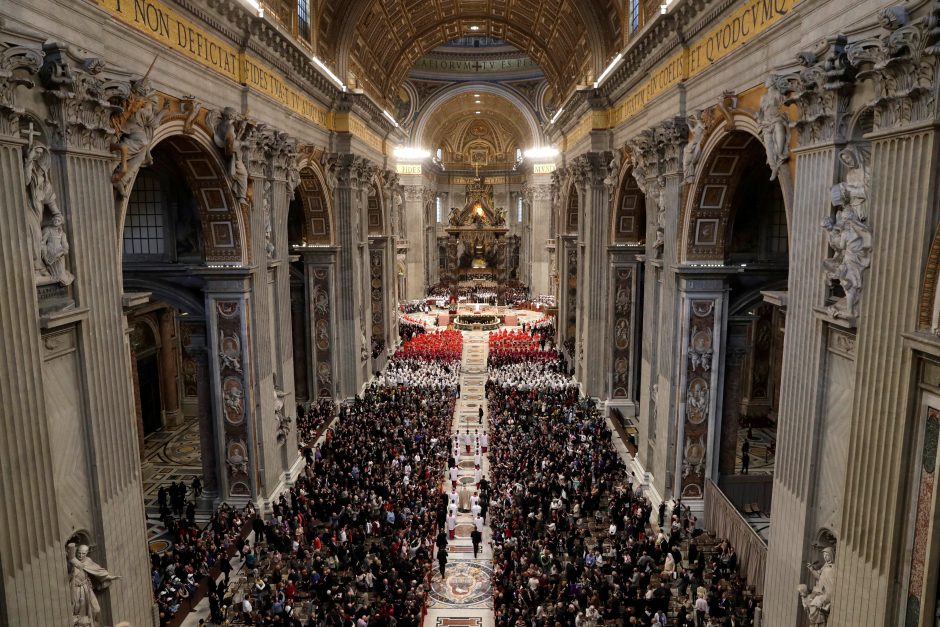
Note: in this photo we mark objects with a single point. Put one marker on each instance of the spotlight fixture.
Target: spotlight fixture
(474, 28)
(320, 64)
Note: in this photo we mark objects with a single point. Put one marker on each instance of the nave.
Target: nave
(470, 484)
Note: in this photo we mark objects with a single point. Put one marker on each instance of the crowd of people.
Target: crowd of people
(513, 346)
(442, 346)
(312, 419)
(574, 538)
(409, 327)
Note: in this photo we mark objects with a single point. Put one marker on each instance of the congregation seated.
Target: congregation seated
(409, 327)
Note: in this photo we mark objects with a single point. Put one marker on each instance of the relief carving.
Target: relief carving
(134, 127)
(774, 126)
(49, 244)
(230, 130)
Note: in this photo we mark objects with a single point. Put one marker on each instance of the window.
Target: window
(145, 224)
(303, 19)
(440, 217)
(520, 209)
(634, 15)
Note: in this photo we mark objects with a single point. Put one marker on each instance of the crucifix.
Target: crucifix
(30, 132)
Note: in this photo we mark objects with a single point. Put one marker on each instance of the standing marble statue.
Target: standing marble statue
(849, 234)
(84, 578)
(693, 150)
(55, 250)
(40, 195)
(774, 126)
(135, 127)
(230, 130)
(818, 602)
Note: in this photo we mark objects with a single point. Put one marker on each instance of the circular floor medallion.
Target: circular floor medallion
(464, 583)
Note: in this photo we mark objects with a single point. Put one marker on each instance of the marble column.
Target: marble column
(538, 206)
(353, 176)
(416, 231)
(320, 286)
(800, 419)
(590, 173)
(34, 586)
(703, 307)
(80, 137)
(228, 303)
(902, 216)
(170, 370)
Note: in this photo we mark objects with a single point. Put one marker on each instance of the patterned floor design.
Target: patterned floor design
(763, 448)
(169, 457)
(464, 596)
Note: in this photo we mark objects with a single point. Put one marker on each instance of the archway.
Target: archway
(178, 217)
(736, 221)
(311, 236)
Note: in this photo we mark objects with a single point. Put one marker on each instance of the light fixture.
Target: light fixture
(390, 117)
(557, 115)
(254, 4)
(476, 95)
(608, 70)
(544, 152)
(320, 64)
(474, 28)
(477, 112)
(411, 153)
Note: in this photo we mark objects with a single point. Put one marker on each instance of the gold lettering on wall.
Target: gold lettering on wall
(170, 28)
(408, 169)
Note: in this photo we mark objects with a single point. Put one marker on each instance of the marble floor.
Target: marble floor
(763, 450)
(464, 596)
(169, 457)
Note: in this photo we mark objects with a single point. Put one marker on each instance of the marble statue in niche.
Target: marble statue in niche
(85, 577)
(135, 127)
(817, 602)
(48, 241)
(55, 250)
(849, 234)
(230, 130)
(774, 126)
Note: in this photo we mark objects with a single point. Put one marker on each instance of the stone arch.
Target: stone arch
(426, 112)
(628, 213)
(221, 216)
(317, 205)
(708, 215)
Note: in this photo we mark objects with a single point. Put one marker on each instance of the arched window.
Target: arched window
(145, 224)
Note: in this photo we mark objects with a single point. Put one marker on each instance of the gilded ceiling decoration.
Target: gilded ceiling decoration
(379, 41)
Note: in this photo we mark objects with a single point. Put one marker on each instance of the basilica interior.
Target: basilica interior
(469, 313)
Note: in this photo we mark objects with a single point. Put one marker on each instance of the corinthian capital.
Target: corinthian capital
(17, 66)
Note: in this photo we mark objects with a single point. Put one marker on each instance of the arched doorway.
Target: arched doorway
(310, 235)
(179, 220)
(736, 238)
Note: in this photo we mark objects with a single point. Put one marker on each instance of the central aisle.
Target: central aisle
(463, 598)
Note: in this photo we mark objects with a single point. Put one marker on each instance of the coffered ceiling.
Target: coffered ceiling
(379, 41)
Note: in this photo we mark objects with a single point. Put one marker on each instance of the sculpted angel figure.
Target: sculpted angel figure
(693, 150)
(135, 127)
(230, 131)
(774, 126)
(850, 238)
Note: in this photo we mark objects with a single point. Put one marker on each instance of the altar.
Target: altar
(477, 251)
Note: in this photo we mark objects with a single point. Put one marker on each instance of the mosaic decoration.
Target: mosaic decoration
(699, 364)
(377, 290)
(321, 303)
(465, 584)
(623, 331)
(922, 521)
(232, 367)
